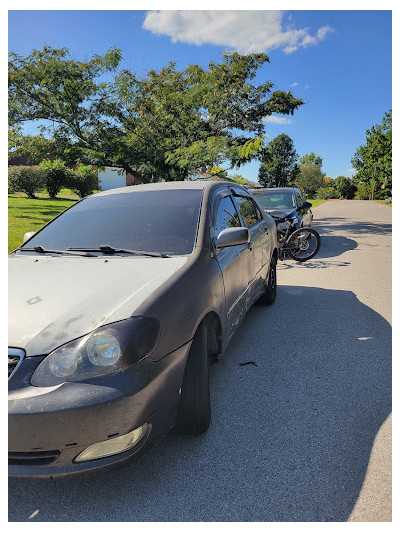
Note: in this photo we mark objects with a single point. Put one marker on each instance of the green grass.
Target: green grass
(30, 215)
(316, 202)
(383, 202)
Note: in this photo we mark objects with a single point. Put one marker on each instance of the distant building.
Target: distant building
(112, 178)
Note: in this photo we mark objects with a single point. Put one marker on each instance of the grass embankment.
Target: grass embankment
(25, 215)
(384, 202)
(316, 202)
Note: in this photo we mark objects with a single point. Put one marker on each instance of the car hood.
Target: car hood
(280, 213)
(53, 300)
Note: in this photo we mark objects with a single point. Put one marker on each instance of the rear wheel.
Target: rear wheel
(303, 244)
(194, 410)
(269, 297)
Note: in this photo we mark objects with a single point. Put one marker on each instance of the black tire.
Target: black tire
(194, 410)
(307, 237)
(269, 296)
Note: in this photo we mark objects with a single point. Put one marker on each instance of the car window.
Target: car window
(154, 221)
(249, 210)
(227, 216)
(299, 197)
(276, 199)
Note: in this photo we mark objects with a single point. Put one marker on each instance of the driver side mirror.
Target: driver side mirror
(304, 205)
(232, 237)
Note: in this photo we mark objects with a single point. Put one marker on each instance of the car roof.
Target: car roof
(265, 189)
(169, 185)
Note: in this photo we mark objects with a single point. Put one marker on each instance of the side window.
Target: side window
(227, 216)
(299, 197)
(249, 210)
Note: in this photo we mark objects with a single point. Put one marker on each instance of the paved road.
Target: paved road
(302, 436)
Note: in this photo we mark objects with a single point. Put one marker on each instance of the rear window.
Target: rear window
(276, 199)
(153, 221)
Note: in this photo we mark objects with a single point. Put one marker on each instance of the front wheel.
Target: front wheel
(194, 411)
(303, 244)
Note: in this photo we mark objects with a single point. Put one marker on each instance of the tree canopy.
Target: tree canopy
(373, 160)
(310, 179)
(311, 159)
(164, 124)
(345, 187)
(278, 162)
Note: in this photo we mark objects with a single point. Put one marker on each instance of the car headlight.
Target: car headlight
(107, 349)
(283, 225)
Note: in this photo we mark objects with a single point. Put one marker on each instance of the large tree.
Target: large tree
(311, 159)
(310, 179)
(278, 166)
(373, 160)
(163, 124)
(345, 187)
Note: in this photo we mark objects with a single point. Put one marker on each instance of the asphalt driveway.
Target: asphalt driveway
(301, 433)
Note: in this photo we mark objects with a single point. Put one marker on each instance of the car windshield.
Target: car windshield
(162, 221)
(275, 199)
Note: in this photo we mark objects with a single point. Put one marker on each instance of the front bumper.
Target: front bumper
(49, 427)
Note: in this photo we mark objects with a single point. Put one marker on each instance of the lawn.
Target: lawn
(29, 215)
(316, 202)
(384, 202)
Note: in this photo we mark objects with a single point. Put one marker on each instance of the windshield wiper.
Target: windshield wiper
(41, 250)
(106, 249)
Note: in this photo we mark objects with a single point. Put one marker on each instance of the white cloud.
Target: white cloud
(294, 84)
(273, 119)
(244, 31)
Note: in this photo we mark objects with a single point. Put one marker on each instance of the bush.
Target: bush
(325, 193)
(363, 192)
(83, 181)
(25, 179)
(56, 175)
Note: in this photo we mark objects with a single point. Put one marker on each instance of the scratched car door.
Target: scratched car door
(234, 261)
(260, 247)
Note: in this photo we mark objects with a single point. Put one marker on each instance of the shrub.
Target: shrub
(325, 193)
(25, 179)
(83, 181)
(363, 192)
(56, 175)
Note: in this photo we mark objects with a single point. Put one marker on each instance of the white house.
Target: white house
(112, 178)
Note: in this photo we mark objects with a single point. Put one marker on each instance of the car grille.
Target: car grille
(15, 357)
(32, 458)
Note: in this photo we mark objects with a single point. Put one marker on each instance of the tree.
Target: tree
(278, 162)
(325, 193)
(373, 160)
(162, 125)
(310, 179)
(311, 159)
(345, 187)
(363, 191)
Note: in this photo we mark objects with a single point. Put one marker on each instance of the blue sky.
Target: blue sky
(338, 62)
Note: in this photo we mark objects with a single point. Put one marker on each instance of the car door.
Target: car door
(234, 261)
(253, 219)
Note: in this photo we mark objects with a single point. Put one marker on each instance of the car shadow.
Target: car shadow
(342, 225)
(291, 431)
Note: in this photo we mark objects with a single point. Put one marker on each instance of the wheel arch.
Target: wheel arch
(213, 324)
